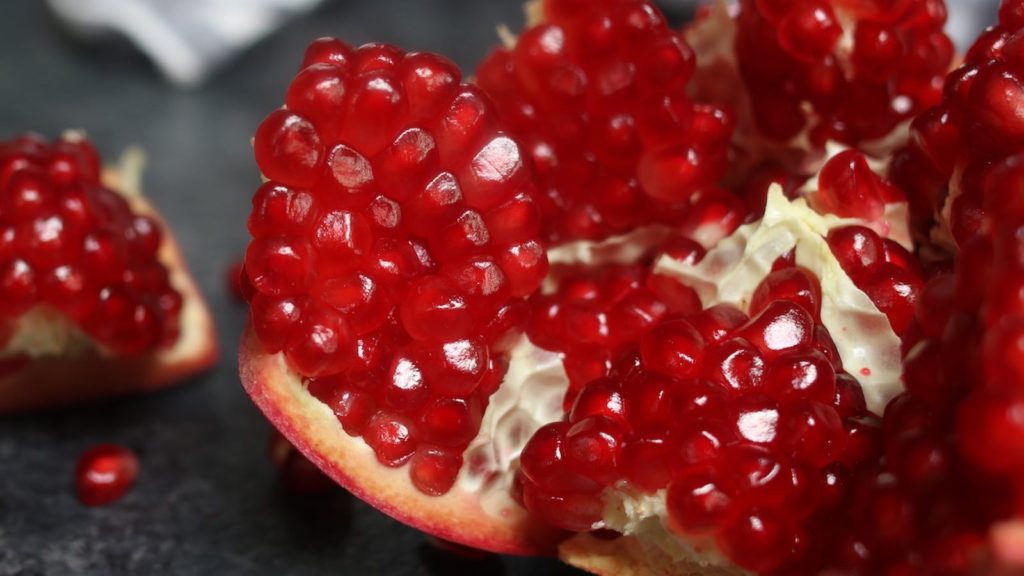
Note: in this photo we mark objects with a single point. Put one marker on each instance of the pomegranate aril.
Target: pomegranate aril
(573, 511)
(104, 474)
(433, 470)
(780, 327)
(674, 348)
(801, 375)
(793, 284)
(700, 500)
(391, 438)
(757, 540)
(646, 462)
(593, 447)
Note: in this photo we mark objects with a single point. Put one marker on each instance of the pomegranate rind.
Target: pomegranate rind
(312, 427)
(626, 556)
(48, 381)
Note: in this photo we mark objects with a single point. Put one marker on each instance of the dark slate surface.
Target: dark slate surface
(206, 501)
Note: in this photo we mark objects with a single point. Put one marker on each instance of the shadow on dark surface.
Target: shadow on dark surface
(440, 562)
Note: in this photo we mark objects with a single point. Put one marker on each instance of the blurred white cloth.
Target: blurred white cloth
(967, 18)
(187, 39)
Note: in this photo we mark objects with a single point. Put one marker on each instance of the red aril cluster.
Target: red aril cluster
(69, 243)
(749, 423)
(860, 67)
(922, 507)
(955, 144)
(597, 313)
(392, 246)
(597, 93)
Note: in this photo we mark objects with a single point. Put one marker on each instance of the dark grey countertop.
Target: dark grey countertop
(206, 501)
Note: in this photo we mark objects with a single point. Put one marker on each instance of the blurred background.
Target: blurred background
(189, 81)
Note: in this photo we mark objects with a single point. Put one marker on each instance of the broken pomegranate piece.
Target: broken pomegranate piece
(597, 93)
(393, 245)
(95, 296)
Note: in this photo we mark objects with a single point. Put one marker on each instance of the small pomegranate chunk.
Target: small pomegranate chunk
(741, 420)
(861, 68)
(71, 244)
(598, 96)
(393, 244)
(104, 474)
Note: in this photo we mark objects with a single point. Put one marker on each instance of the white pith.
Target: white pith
(530, 396)
(730, 273)
(644, 516)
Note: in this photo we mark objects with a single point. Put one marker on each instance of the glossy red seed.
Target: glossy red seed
(104, 474)
(809, 31)
(700, 500)
(847, 187)
(593, 448)
(757, 540)
(578, 512)
(801, 375)
(646, 463)
(858, 249)
(812, 432)
(433, 470)
(674, 348)
(781, 326)
(735, 365)
(794, 284)
(391, 438)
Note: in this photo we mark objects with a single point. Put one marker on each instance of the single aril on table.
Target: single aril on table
(95, 298)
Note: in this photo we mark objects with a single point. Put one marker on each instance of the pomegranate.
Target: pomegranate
(505, 323)
(96, 296)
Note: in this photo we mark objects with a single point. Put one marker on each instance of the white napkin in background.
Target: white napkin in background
(186, 39)
(189, 39)
(967, 18)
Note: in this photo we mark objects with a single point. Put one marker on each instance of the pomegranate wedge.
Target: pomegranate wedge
(97, 300)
